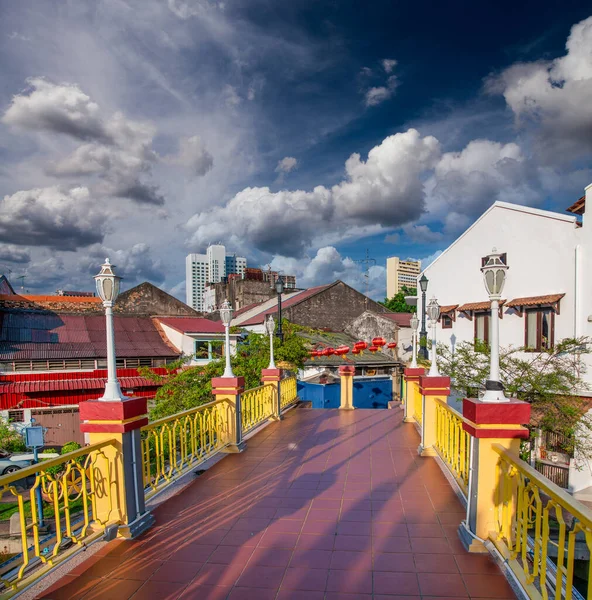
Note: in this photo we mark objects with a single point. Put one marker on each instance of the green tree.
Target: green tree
(550, 380)
(397, 302)
(185, 387)
(10, 439)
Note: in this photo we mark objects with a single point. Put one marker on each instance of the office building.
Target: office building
(401, 273)
(212, 267)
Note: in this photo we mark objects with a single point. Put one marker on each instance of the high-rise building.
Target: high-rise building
(212, 267)
(401, 273)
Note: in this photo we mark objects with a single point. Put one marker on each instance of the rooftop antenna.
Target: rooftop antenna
(367, 261)
(22, 278)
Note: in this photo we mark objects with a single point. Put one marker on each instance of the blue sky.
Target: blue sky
(298, 133)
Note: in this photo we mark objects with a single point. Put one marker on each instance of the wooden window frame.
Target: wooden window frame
(487, 315)
(539, 333)
(446, 321)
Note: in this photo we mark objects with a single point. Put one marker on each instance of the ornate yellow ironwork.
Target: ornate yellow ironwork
(537, 525)
(257, 405)
(289, 391)
(452, 443)
(175, 444)
(79, 490)
(417, 404)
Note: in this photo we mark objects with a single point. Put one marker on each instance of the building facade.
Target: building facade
(400, 273)
(547, 295)
(212, 267)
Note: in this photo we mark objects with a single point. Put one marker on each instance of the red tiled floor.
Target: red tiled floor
(323, 505)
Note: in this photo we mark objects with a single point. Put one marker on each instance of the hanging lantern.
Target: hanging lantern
(342, 350)
(374, 349)
(391, 345)
(330, 351)
(356, 351)
(378, 341)
(361, 346)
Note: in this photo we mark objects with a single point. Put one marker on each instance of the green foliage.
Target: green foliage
(187, 387)
(66, 448)
(550, 380)
(10, 439)
(397, 302)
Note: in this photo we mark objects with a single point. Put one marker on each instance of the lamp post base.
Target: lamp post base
(494, 392)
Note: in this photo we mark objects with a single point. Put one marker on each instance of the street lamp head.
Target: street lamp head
(433, 310)
(494, 273)
(226, 313)
(107, 283)
(423, 283)
(270, 324)
(414, 323)
(279, 284)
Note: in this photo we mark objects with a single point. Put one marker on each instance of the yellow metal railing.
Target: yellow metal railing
(79, 492)
(452, 443)
(257, 405)
(289, 391)
(417, 403)
(173, 445)
(541, 531)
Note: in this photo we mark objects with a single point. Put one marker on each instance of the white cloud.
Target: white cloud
(194, 155)
(384, 190)
(388, 64)
(63, 219)
(422, 234)
(377, 95)
(552, 98)
(10, 253)
(287, 164)
(428, 260)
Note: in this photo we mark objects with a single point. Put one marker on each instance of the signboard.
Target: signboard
(33, 436)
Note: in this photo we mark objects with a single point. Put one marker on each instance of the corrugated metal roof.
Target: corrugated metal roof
(91, 383)
(34, 336)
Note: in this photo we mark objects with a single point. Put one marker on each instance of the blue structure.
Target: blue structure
(369, 392)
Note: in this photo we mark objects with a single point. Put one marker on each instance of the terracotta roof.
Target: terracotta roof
(192, 324)
(578, 207)
(535, 300)
(476, 306)
(448, 308)
(401, 319)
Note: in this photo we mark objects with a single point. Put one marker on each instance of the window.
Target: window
(446, 322)
(208, 349)
(482, 327)
(539, 329)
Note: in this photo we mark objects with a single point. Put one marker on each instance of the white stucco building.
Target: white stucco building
(548, 291)
(201, 339)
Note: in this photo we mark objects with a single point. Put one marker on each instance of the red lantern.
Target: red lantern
(342, 350)
(391, 345)
(330, 351)
(324, 352)
(378, 341)
(356, 350)
(361, 346)
(374, 349)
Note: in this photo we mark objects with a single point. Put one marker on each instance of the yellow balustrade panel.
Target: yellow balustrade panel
(257, 405)
(541, 531)
(72, 486)
(417, 403)
(452, 443)
(289, 391)
(174, 445)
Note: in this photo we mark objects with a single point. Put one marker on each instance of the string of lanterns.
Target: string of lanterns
(358, 348)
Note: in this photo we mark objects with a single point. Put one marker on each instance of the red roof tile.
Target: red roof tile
(192, 324)
(401, 319)
(535, 300)
(477, 306)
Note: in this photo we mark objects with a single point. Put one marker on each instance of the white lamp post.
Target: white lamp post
(494, 275)
(108, 290)
(226, 316)
(433, 312)
(414, 326)
(270, 328)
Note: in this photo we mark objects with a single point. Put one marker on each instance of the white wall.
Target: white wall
(540, 249)
(185, 343)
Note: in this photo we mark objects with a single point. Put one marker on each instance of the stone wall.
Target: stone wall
(243, 292)
(147, 299)
(370, 325)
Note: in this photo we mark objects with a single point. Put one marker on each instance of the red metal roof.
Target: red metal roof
(296, 299)
(39, 336)
(91, 383)
(192, 324)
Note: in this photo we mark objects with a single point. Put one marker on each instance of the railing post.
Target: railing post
(431, 388)
(346, 373)
(230, 390)
(273, 377)
(411, 387)
(120, 421)
(488, 424)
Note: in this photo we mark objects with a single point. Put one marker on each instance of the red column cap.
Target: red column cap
(413, 373)
(487, 419)
(122, 416)
(434, 386)
(347, 370)
(271, 374)
(225, 385)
